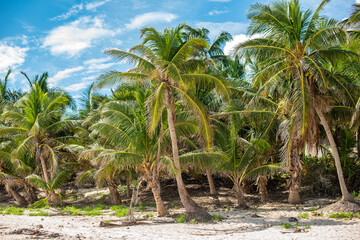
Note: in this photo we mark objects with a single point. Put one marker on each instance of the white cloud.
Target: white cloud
(76, 86)
(73, 37)
(97, 64)
(150, 18)
(237, 39)
(357, 1)
(216, 28)
(73, 10)
(217, 12)
(11, 56)
(63, 74)
(95, 61)
(94, 5)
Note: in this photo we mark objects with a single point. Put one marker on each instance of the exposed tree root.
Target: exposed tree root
(343, 206)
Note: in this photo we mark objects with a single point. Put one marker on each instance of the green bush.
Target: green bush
(286, 225)
(94, 212)
(14, 211)
(181, 219)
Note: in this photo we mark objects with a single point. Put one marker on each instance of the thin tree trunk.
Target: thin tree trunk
(161, 209)
(211, 183)
(358, 143)
(294, 187)
(344, 191)
(193, 211)
(43, 165)
(241, 203)
(261, 182)
(128, 190)
(114, 193)
(17, 196)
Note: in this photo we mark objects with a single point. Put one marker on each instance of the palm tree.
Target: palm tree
(126, 142)
(297, 48)
(57, 180)
(168, 62)
(36, 121)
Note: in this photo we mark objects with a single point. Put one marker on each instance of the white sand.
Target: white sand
(237, 225)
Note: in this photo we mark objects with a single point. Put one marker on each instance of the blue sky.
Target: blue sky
(67, 37)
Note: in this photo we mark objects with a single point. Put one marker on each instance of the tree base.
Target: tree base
(294, 197)
(200, 216)
(343, 206)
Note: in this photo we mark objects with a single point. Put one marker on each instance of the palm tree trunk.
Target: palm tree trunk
(261, 182)
(43, 165)
(114, 193)
(161, 209)
(31, 194)
(358, 143)
(294, 187)
(211, 182)
(193, 211)
(241, 203)
(128, 190)
(344, 191)
(17, 196)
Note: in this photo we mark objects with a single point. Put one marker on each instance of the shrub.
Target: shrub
(303, 215)
(181, 219)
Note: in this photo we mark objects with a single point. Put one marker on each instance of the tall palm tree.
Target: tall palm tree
(170, 64)
(36, 121)
(297, 48)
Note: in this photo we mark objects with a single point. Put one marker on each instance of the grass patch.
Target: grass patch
(193, 221)
(181, 219)
(286, 225)
(93, 212)
(150, 215)
(13, 211)
(120, 210)
(73, 211)
(307, 226)
(345, 215)
(313, 209)
(303, 215)
(39, 213)
(228, 208)
(217, 217)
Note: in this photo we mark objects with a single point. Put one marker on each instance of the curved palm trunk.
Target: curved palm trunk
(211, 182)
(344, 191)
(161, 209)
(193, 211)
(128, 190)
(17, 196)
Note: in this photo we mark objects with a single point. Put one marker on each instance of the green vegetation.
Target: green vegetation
(346, 215)
(303, 215)
(217, 217)
(181, 219)
(13, 211)
(312, 209)
(39, 213)
(286, 225)
(292, 88)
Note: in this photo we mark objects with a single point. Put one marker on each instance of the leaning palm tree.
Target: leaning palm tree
(36, 122)
(170, 64)
(296, 49)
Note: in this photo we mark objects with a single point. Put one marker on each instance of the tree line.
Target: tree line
(276, 99)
